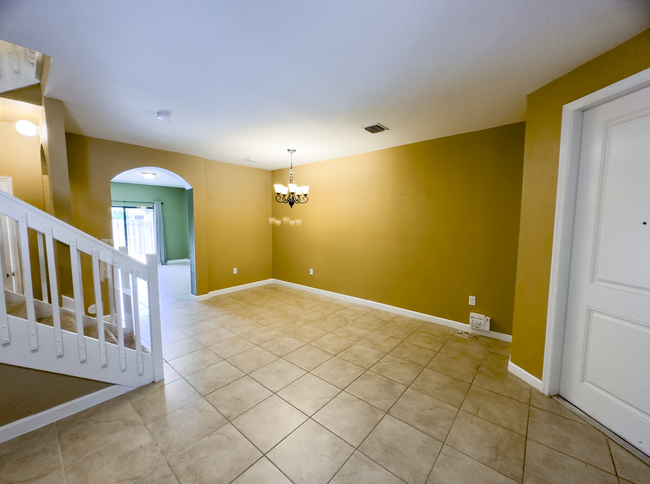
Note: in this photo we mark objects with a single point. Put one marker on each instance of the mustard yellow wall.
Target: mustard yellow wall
(20, 158)
(229, 222)
(238, 208)
(421, 226)
(541, 158)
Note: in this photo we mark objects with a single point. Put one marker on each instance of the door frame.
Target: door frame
(567, 187)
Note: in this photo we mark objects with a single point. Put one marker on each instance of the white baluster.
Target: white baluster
(56, 314)
(99, 308)
(27, 280)
(154, 317)
(136, 319)
(127, 295)
(118, 313)
(77, 288)
(41, 259)
(4, 321)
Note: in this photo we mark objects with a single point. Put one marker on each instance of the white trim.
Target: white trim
(395, 310)
(533, 381)
(362, 302)
(570, 140)
(68, 303)
(228, 290)
(33, 422)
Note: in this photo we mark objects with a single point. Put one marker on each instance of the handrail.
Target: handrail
(63, 232)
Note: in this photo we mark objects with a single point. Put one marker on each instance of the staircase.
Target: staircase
(40, 334)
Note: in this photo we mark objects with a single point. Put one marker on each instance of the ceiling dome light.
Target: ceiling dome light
(26, 128)
(163, 115)
(148, 175)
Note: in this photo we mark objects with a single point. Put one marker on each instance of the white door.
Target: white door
(12, 278)
(606, 361)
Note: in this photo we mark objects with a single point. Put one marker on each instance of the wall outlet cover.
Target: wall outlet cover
(472, 300)
(234, 271)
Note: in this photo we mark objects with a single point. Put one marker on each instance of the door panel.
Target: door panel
(606, 361)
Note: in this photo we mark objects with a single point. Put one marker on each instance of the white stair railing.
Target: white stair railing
(30, 343)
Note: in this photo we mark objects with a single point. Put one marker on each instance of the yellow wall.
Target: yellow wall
(20, 158)
(421, 226)
(541, 157)
(230, 228)
(239, 235)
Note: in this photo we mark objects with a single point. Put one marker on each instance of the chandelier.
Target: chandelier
(293, 193)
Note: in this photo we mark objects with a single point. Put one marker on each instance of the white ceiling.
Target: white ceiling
(249, 79)
(163, 178)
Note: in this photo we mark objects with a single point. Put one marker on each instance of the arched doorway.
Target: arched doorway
(143, 197)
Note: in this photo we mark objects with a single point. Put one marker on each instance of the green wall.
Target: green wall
(174, 212)
(421, 226)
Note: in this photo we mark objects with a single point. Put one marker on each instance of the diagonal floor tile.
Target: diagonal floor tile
(332, 343)
(453, 467)
(547, 466)
(628, 466)
(309, 393)
(386, 444)
(425, 413)
(263, 471)
(237, 397)
(251, 360)
(360, 470)
(456, 366)
(216, 459)
(506, 412)
(577, 440)
(338, 372)
(494, 446)
(308, 357)
(232, 347)
(192, 362)
(377, 390)
(214, 377)
(397, 369)
(177, 431)
(349, 418)
(441, 387)
(361, 355)
(269, 422)
(125, 460)
(277, 374)
(156, 400)
(311, 454)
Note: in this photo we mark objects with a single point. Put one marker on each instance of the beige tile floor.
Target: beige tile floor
(275, 385)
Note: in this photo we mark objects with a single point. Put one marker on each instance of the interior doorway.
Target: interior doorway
(598, 328)
(153, 212)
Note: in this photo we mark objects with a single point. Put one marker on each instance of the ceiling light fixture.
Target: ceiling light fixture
(163, 115)
(26, 128)
(148, 175)
(293, 193)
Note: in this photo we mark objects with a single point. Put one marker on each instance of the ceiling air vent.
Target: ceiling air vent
(375, 128)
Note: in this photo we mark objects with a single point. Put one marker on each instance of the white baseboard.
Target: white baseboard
(33, 422)
(533, 381)
(68, 303)
(395, 310)
(362, 302)
(228, 290)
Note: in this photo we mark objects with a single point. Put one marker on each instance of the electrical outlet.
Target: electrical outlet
(472, 300)
(311, 272)
(234, 271)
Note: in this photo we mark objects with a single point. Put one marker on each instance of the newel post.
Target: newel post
(154, 317)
